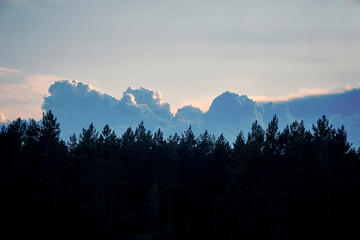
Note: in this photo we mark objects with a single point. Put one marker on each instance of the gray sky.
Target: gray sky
(191, 51)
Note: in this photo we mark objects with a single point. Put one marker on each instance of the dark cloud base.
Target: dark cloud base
(76, 105)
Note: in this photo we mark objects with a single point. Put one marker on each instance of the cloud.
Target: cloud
(281, 110)
(152, 99)
(29, 88)
(189, 113)
(229, 105)
(27, 94)
(230, 113)
(313, 107)
(186, 116)
(4, 70)
(301, 93)
(2, 117)
(305, 92)
(77, 104)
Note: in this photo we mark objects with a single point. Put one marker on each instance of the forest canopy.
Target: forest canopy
(293, 183)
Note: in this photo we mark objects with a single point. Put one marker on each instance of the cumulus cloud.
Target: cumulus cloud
(152, 99)
(77, 104)
(281, 110)
(185, 117)
(231, 105)
(189, 113)
(230, 113)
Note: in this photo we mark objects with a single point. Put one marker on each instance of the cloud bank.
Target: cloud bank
(76, 105)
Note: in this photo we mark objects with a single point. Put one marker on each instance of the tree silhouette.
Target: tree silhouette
(289, 184)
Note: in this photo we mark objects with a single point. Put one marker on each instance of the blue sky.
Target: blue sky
(191, 51)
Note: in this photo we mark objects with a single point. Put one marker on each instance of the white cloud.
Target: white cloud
(152, 99)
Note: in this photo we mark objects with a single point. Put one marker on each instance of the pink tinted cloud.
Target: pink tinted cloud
(24, 99)
(28, 89)
(2, 117)
(4, 70)
(303, 92)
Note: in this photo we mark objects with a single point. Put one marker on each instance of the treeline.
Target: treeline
(271, 184)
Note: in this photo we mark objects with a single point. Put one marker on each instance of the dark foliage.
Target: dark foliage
(294, 184)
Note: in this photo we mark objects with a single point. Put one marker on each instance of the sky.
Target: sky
(192, 51)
